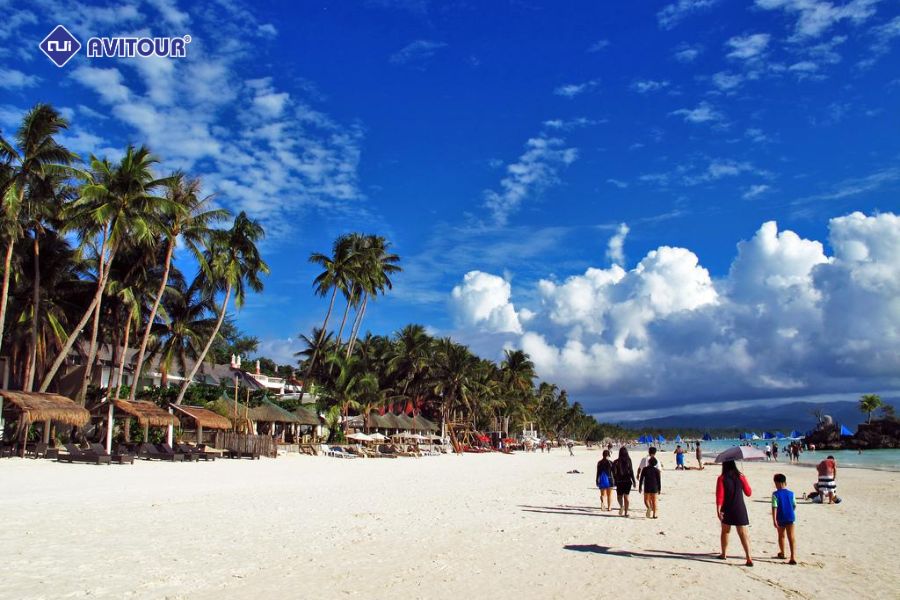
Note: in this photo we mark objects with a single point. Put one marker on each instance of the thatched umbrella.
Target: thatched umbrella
(148, 414)
(203, 419)
(32, 407)
(306, 416)
(272, 413)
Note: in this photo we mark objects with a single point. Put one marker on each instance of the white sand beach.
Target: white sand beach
(439, 527)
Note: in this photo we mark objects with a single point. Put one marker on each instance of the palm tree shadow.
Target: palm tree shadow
(709, 557)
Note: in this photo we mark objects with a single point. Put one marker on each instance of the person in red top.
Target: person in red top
(731, 487)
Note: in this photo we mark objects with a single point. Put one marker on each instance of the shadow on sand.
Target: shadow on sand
(710, 557)
(585, 511)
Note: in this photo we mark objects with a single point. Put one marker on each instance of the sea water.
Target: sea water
(885, 460)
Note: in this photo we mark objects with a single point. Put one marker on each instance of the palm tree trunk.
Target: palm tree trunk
(4, 293)
(209, 343)
(115, 344)
(312, 361)
(139, 365)
(35, 316)
(121, 371)
(357, 323)
(337, 342)
(95, 329)
(73, 337)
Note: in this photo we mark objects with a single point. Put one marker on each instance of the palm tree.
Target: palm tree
(351, 385)
(869, 403)
(410, 359)
(190, 218)
(232, 262)
(376, 266)
(454, 381)
(315, 344)
(38, 157)
(119, 205)
(178, 338)
(334, 277)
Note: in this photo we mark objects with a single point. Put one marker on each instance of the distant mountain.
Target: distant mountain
(784, 418)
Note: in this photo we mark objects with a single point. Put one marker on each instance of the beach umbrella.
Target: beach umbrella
(678, 438)
(660, 439)
(779, 435)
(741, 453)
(707, 437)
(360, 437)
(377, 437)
(754, 436)
(845, 431)
(768, 436)
(796, 434)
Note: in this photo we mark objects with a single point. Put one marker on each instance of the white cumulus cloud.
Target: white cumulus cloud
(483, 300)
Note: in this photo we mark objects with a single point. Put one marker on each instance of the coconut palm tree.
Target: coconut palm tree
(453, 380)
(118, 205)
(30, 160)
(230, 264)
(189, 219)
(376, 265)
(335, 277)
(869, 403)
(191, 319)
(410, 360)
(352, 384)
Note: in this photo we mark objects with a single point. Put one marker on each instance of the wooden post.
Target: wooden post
(46, 433)
(147, 433)
(199, 434)
(109, 428)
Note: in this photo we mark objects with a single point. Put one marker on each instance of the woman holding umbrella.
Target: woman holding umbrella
(731, 487)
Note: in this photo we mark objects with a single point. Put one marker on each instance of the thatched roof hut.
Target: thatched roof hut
(272, 413)
(420, 423)
(34, 407)
(147, 413)
(203, 417)
(226, 408)
(306, 416)
(390, 421)
(405, 422)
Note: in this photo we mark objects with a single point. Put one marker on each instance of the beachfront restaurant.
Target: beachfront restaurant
(20, 410)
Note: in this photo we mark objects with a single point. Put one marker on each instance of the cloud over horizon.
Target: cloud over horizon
(787, 320)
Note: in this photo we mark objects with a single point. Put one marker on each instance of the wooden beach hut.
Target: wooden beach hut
(27, 408)
(420, 423)
(148, 414)
(202, 419)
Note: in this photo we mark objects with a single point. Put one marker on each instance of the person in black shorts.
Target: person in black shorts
(623, 474)
(650, 484)
(731, 487)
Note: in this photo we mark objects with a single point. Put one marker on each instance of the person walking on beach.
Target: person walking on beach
(570, 444)
(605, 480)
(768, 452)
(651, 453)
(775, 451)
(650, 484)
(699, 456)
(783, 515)
(623, 475)
(731, 487)
(679, 458)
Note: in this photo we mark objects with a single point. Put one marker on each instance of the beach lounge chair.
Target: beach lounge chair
(386, 450)
(151, 452)
(200, 453)
(167, 449)
(338, 452)
(115, 457)
(76, 454)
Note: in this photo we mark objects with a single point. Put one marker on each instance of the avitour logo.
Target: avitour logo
(60, 46)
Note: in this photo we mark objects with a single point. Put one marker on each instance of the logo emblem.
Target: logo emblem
(60, 46)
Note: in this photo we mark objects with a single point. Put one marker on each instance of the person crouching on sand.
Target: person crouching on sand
(783, 515)
(623, 475)
(605, 480)
(651, 485)
(731, 487)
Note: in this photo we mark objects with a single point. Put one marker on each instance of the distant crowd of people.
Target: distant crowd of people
(732, 487)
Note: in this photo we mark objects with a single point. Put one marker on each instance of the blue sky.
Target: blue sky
(572, 178)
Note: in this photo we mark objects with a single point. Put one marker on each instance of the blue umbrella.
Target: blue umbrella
(796, 434)
(707, 437)
(678, 438)
(768, 436)
(660, 439)
(845, 431)
(779, 435)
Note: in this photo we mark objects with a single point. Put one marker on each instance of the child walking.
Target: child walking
(651, 485)
(783, 515)
(605, 481)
